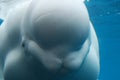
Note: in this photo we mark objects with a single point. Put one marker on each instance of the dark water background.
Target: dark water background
(105, 16)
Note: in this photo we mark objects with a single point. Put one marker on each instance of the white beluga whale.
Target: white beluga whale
(49, 40)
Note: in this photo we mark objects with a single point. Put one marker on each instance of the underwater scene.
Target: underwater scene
(105, 17)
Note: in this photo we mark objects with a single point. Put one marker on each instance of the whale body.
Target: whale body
(49, 40)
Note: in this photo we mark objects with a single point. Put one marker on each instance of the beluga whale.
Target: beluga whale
(49, 40)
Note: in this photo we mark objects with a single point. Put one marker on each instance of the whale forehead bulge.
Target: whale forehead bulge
(60, 22)
(60, 28)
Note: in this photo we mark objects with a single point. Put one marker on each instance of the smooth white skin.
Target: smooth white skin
(58, 35)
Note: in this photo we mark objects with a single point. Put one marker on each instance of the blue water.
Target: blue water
(105, 16)
(1, 21)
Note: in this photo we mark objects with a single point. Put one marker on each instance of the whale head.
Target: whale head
(56, 27)
(55, 22)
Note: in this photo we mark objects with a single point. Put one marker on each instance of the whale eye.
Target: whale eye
(24, 45)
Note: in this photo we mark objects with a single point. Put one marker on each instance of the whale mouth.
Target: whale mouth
(70, 62)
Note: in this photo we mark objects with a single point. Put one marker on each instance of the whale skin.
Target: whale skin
(49, 40)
